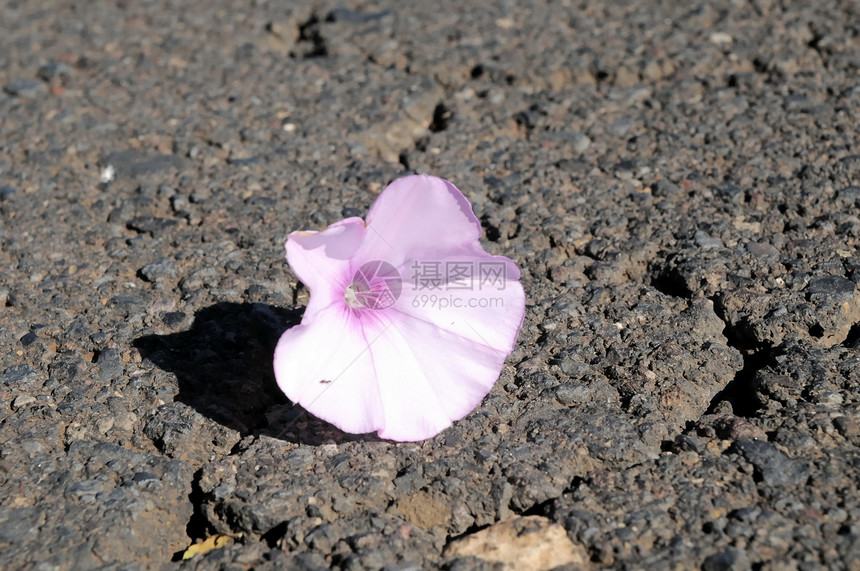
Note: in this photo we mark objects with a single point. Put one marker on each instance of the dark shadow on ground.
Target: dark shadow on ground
(223, 365)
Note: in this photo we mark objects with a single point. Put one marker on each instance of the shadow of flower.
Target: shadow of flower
(223, 366)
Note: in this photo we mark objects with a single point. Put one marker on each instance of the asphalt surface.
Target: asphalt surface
(678, 182)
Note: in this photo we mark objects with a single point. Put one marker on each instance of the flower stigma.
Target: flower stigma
(375, 285)
(355, 293)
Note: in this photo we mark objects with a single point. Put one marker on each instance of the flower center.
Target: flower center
(376, 285)
(356, 294)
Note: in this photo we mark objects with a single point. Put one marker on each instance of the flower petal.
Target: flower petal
(487, 309)
(427, 377)
(321, 260)
(325, 365)
(415, 215)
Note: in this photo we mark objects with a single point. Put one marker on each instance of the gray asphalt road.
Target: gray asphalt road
(678, 182)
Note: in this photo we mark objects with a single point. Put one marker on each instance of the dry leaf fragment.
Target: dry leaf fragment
(207, 545)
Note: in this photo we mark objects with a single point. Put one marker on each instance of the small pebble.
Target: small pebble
(26, 88)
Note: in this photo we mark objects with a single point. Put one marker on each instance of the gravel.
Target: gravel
(679, 186)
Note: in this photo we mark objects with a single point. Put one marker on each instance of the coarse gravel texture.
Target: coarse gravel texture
(679, 183)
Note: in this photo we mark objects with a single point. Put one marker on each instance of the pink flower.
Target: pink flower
(409, 319)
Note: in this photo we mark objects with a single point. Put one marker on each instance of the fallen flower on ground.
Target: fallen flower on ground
(409, 319)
